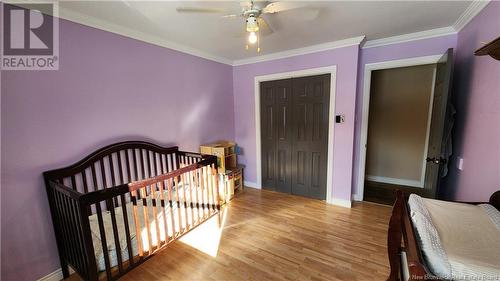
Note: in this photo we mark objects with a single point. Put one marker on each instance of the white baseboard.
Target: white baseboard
(251, 184)
(413, 183)
(57, 275)
(341, 202)
(357, 197)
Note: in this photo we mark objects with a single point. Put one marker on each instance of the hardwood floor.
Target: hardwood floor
(273, 236)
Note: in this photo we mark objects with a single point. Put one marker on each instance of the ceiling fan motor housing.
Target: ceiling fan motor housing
(252, 24)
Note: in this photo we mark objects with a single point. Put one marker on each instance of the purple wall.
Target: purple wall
(109, 88)
(418, 48)
(346, 60)
(477, 98)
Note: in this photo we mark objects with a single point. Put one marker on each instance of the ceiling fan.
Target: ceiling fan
(252, 13)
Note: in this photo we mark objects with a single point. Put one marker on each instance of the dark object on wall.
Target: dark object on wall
(402, 238)
(492, 49)
(131, 175)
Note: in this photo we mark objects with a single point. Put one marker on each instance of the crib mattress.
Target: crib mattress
(144, 237)
(457, 239)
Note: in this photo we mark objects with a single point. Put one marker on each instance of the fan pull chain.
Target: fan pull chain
(258, 41)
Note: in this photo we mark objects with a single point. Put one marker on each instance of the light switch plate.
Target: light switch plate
(460, 163)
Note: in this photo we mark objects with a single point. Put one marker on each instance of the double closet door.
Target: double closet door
(294, 135)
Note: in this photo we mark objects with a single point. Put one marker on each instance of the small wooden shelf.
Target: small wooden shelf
(492, 49)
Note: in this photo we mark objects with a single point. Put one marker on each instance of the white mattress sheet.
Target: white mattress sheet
(459, 241)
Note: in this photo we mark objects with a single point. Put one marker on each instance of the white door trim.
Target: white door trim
(332, 70)
(369, 67)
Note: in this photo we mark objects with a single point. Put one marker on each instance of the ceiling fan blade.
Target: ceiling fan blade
(265, 29)
(199, 10)
(232, 16)
(282, 6)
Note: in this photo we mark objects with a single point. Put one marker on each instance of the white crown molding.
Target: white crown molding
(472, 10)
(127, 32)
(302, 51)
(426, 34)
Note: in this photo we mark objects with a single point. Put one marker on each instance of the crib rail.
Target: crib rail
(123, 203)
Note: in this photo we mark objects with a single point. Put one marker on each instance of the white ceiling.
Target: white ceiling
(222, 39)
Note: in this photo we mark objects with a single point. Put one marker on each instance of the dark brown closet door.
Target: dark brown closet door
(310, 104)
(275, 130)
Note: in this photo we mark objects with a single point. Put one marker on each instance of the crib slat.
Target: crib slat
(148, 164)
(127, 230)
(104, 246)
(162, 204)
(210, 189)
(84, 181)
(143, 171)
(155, 215)
(73, 182)
(202, 187)
(146, 216)
(176, 181)
(214, 186)
(163, 185)
(136, 165)
(184, 198)
(120, 167)
(118, 250)
(104, 179)
(197, 191)
(103, 175)
(127, 163)
(217, 187)
(169, 186)
(94, 176)
(190, 186)
(112, 172)
(137, 224)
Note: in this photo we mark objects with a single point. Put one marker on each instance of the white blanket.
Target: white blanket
(459, 241)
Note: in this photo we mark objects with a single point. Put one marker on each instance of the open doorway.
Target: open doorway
(405, 127)
(398, 129)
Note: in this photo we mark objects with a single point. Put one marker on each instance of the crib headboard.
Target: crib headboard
(117, 164)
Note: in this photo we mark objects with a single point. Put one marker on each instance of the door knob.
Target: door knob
(435, 160)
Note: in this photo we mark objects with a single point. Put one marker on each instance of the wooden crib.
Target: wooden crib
(122, 203)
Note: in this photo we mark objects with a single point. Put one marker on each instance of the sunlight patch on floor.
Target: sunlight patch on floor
(206, 237)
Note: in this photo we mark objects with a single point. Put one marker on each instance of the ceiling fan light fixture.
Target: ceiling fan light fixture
(252, 24)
